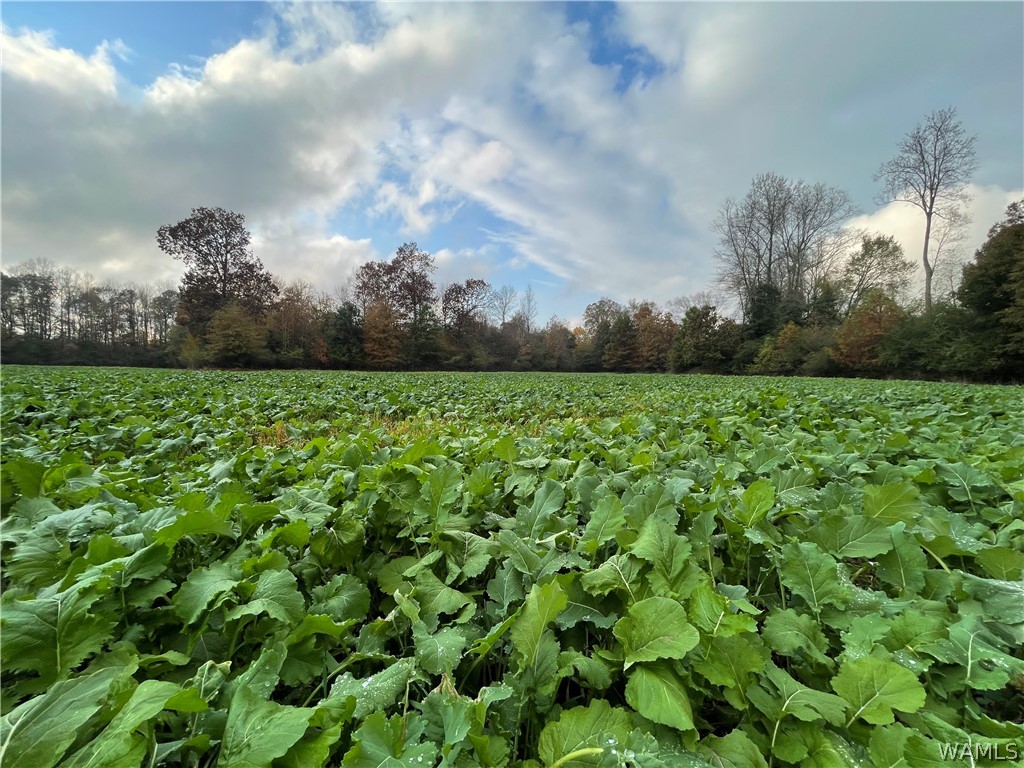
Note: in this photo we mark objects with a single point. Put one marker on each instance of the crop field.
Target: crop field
(302, 569)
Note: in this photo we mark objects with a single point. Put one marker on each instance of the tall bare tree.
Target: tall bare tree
(528, 308)
(931, 171)
(503, 300)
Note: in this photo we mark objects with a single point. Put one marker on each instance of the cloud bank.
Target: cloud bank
(598, 148)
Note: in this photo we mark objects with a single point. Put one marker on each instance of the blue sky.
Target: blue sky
(579, 148)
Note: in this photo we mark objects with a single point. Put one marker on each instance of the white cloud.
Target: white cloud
(414, 111)
(905, 222)
(34, 57)
(326, 261)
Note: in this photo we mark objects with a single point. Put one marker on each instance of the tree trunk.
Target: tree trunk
(928, 268)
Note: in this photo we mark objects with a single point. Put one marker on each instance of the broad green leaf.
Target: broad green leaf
(437, 599)
(1002, 563)
(535, 643)
(658, 693)
(875, 687)
(533, 522)
(811, 574)
(729, 662)
(965, 482)
(204, 586)
(592, 671)
(118, 744)
(596, 726)
(343, 597)
(975, 650)
(317, 624)
(620, 571)
(1003, 600)
(956, 744)
(442, 488)
(339, 545)
(914, 630)
(276, 595)
(377, 692)
(38, 560)
(313, 749)
(654, 629)
(861, 635)
(38, 732)
(262, 675)
(734, 750)
(894, 503)
(200, 522)
(904, 565)
(258, 731)
(788, 632)
(672, 574)
(657, 501)
(389, 743)
(847, 536)
(469, 553)
(896, 746)
(819, 748)
(448, 721)
(582, 606)
(441, 652)
(713, 615)
(796, 487)
(758, 499)
(520, 554)
(804, 703)
(52, 635)
(506, 588)
(293, 534)
(605, 521)
(26, 474)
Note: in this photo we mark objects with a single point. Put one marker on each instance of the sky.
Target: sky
(581, 149)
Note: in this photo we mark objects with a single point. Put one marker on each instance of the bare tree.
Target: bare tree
(502, 301)
(709, 297)
(782, 234)
(931, 171)
(528, 308)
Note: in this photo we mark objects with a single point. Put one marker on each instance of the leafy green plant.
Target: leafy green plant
(318, 569)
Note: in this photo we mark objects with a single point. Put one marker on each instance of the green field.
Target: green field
(404, 570)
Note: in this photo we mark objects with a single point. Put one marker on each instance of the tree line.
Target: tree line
(814, 298)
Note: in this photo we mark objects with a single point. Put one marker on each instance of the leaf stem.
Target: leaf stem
(327, 678)
(586, 752)
(937, 558)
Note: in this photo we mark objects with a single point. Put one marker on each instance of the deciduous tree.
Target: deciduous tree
(782, 234)
(345, 336)
(931, 171)
(858, 339)
(879, 263)
(705, 340)
(234, 339)
(993, 289)
(382, 344)
(214, 245)
(502, 303)
(654, 333)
